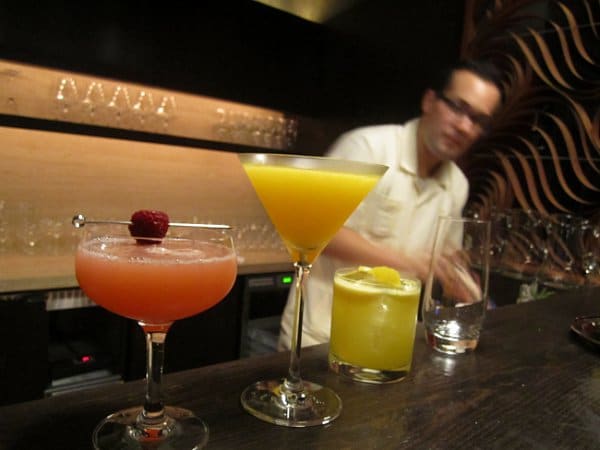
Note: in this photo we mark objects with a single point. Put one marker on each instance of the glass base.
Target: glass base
(180, 429)
(272, 402)
(365, 375)
(450, 346)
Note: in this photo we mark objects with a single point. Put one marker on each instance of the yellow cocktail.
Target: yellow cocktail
(308, 199)
(373, 324)
(307, 205)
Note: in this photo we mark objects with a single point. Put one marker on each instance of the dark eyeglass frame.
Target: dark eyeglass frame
(459, 108)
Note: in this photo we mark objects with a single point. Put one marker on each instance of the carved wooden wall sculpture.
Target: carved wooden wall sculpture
(544, 151)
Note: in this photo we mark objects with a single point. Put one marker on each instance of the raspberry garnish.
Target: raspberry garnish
(149, 224)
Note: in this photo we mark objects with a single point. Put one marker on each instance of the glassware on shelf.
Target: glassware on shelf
(119, 107)
(308, 199)
(222, 123)
(291, 133)
(154, 284)
(94, 104)
(523, 238)
(26, 229)
(165, 111)
(590, 256)
(571, 243)
(67, 98)
(143, 110)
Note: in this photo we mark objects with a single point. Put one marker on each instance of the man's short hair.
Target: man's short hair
(482, 68)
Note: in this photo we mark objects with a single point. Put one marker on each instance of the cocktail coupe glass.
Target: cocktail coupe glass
(308, 199)
(155, 284)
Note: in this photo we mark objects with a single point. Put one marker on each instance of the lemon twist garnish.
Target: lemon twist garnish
(383, 274)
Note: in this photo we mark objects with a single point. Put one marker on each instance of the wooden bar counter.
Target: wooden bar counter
(530, 384)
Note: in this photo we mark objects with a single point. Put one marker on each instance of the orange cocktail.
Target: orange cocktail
(156, 283)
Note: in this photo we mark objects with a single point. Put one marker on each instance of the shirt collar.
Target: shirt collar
(444, 174)
(406, 156)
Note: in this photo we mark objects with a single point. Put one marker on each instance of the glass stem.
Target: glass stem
(293, 382)
(154, 408)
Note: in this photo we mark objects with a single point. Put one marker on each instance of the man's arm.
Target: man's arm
(353, 248)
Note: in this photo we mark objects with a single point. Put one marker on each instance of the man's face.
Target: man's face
(455, 118)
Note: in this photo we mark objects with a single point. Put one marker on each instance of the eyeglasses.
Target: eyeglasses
(462, 109)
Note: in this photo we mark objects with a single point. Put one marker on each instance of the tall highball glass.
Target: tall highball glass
(456, 289)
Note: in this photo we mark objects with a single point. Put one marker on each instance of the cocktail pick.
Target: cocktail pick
(79, 221)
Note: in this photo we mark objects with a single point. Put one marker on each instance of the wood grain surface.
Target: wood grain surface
(530, 384)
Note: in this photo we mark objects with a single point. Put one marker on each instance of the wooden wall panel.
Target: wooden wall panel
(545, 141)
(47, 177)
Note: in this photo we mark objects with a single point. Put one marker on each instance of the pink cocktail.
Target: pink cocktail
(154, 282)
(157, 283)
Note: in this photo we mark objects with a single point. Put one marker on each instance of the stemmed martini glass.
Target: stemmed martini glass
(155, 282)
(308, 199)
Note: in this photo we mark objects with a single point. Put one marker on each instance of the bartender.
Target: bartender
(394, 225)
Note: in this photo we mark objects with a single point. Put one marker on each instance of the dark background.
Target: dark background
(368, 64)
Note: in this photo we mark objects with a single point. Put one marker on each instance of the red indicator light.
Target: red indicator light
(86, 358)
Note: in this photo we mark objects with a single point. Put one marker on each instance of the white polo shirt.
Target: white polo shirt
(399, 214)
